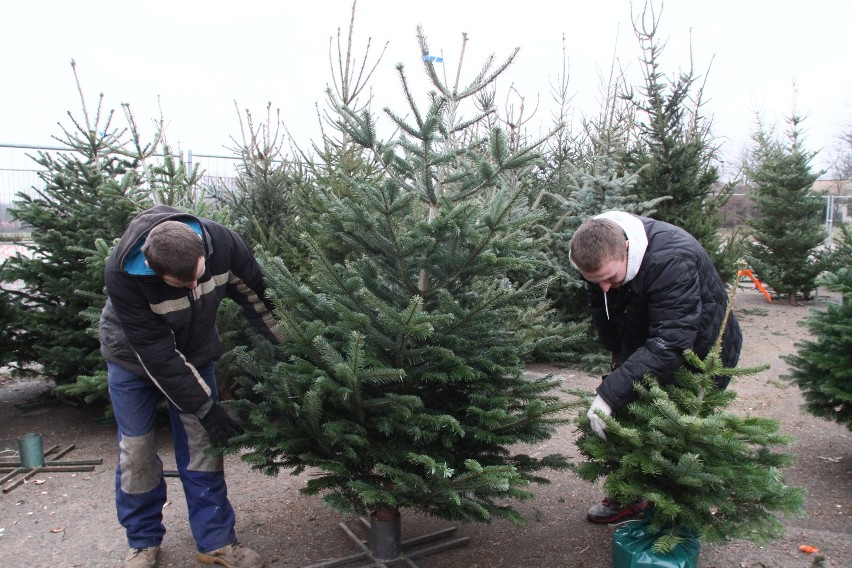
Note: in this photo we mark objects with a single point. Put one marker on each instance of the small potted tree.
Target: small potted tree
(707, 473)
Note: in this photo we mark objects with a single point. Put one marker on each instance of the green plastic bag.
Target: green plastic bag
(631, 548)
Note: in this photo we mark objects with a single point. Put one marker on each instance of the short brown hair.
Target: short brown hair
(596, 242)
(173, 248)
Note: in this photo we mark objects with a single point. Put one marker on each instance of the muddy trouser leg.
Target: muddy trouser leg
(140, 490)
(211, 516)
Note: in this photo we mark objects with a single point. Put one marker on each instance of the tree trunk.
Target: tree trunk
(385, 533)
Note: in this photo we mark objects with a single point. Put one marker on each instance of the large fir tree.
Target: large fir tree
(787, 230)
(260, 199)
(401, 381)
(822, 367)
(276, 197)
(90, 192)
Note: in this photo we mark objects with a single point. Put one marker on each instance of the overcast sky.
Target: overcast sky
(195, 59)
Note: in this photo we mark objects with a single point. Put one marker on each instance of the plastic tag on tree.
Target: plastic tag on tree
(631, 548)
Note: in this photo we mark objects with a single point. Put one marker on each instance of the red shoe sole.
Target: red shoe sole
(628, 512)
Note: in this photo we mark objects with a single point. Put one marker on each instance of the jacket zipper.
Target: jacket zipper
(191, 297)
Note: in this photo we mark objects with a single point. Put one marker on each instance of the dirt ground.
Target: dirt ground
(67, 519)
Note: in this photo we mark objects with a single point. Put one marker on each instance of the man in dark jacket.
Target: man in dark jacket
(165, 281)
(653, 293)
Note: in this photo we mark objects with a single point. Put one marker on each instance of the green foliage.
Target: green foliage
(787, 231)
(260, 205)
(7, 331)
(260, 202)
(91, 384)
(401, 381)
(704, 470)
(171, 182)
(90, 193)
(234, 332)
(822, 367)
(675, 155)
(275, 198)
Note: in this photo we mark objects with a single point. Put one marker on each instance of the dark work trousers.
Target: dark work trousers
(140, 489)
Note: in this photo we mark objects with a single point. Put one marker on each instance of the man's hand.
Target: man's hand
(598, 425)
(220, 427)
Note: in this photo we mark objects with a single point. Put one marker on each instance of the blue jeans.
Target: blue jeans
(140, 489)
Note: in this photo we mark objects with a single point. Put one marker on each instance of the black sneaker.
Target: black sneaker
(610, 510)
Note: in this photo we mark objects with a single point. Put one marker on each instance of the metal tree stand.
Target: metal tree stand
(32, 462)
(386, 547)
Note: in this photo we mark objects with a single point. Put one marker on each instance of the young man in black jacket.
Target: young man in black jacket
(653, 293)
(165, 281)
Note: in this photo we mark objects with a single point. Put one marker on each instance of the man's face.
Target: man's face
(178, 283)
(610, 275)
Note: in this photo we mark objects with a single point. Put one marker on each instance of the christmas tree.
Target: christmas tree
(706, 473)
(822, 367)
(89, 192)
(675, 154)
(401, 381)
(788, 230)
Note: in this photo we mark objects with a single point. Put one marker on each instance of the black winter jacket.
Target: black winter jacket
(676, 301)
(164, 332)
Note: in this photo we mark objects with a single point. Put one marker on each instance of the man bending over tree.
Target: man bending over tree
(653, 293)
(165, 280)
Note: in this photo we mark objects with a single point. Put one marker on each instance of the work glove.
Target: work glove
(220, 426)
(598, 425)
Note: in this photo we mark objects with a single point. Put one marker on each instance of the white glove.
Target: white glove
(598, 425)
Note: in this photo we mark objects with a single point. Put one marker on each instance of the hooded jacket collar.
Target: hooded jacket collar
(634, 230)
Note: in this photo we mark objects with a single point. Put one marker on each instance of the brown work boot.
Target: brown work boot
(232, 556)
(142, 557)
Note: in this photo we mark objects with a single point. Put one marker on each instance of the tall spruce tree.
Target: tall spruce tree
(787, 230)
(260, 205)
(822, 367)
(90, 192)
(337, 161)
(401, 381)
(705, 472)
(260, 201)
(675, 153)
